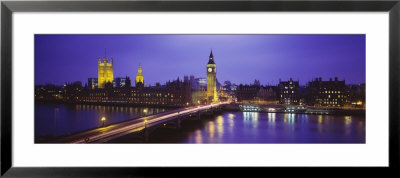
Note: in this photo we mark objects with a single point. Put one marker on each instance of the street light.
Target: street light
(103, 119)
(145, 111)
(145, 123)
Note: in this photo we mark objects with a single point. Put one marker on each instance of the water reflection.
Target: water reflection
(347, 120)
(231, 121)
(251, 118)
(220, 125)
(291, 118)
(319, 119)
(198, 138)
(280, 128)
(61, 119)
(211, 127)
(271, 117)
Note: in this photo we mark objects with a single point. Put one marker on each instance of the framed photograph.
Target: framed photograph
(104, 88)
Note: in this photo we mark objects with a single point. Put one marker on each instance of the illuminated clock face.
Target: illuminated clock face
(209, 69)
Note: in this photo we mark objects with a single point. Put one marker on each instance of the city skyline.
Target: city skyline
(240, 58)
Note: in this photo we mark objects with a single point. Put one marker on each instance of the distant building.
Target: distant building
(251, 93)
(139, 77)
(201, 82)
(356, 95)
(226, 87)
(72, 90)
(247, 92)
(330, 93)
(105, 72)
(191, 80)
(49, 92)
(233, 88)
(92, 83)
(267, 93)
(128, 82)
(288, 92)
(120, 82)
(118, 91)
(174, 94)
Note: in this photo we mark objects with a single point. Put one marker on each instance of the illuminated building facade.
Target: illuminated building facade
(288, 92)
(212, 79)
(330, 93)
(173, 94)
(139, 77)
(105, 72)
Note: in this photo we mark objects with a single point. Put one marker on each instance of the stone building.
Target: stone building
(105, 72)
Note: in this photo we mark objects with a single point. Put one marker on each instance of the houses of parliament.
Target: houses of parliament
(107, 89)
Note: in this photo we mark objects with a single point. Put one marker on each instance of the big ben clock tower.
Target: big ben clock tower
(212, 79)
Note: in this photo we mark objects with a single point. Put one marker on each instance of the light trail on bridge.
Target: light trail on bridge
(120, 129)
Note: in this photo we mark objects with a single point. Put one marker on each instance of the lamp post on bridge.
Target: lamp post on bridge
(103, 119)
(145, 123)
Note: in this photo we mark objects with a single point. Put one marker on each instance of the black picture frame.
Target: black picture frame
(8, 7)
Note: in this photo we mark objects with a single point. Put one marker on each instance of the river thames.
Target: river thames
(227, 127)
(62, 119)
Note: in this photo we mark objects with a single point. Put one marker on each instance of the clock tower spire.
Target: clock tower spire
(139, 77)
(211, 79)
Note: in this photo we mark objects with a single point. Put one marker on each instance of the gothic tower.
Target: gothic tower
(139, 77)
(212, 79)
(105, 72)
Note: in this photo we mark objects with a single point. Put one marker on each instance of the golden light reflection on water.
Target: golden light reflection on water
(211, 127)
(319, 119)
(285, 118)
(220, 125)
(255, 119)
(231, 122)
(347, 120)
(320, 127)
(198, 136)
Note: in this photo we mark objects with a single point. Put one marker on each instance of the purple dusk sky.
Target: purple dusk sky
(239, 58)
